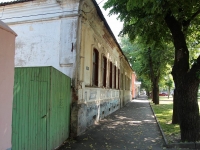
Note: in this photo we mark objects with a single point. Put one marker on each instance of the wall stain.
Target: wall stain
(19, 45)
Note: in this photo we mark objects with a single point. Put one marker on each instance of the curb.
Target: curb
(190, 145)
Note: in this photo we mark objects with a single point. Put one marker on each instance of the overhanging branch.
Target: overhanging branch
(195, 15)
(187, 22)
(196, 68)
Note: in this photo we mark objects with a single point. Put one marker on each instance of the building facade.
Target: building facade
(73, 37)
(135, 86)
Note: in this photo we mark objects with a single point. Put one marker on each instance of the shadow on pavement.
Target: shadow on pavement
(132, 127)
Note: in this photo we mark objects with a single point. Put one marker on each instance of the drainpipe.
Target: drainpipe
(78, 57)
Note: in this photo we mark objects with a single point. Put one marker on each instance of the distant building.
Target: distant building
(135, 86)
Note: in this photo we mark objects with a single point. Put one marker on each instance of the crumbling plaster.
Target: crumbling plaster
(63, 34)
(95, 103)
(47, 32)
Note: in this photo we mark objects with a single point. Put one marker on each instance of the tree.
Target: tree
(169, 84)
(146, 63)
(146, 84)
(178, 22)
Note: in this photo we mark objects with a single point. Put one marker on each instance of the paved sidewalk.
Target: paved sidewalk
(131, 128)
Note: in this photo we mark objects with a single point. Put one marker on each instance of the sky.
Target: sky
(114, 24)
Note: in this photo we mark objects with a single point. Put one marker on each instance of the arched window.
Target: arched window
(104, 68)
(95, 67)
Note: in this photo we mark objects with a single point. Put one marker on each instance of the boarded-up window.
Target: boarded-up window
(104, 68)
(95, 67)
(110, 85)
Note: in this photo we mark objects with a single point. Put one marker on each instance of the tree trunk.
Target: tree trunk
(175, 115)
(186, 83)
(152, 94)
(155, 91)
(154, 80)
(168, 91)
(189, 109)
(148, 93)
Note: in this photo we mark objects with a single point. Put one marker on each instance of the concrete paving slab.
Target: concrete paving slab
(132, 127)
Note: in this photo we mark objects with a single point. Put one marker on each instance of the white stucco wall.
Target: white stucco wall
(40, 44)
(7, 47)
(47, 33)
(34, 41)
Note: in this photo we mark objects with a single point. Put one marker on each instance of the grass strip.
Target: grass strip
(164, 116)
(163, 113)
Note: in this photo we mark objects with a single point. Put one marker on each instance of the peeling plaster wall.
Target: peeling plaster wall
(37, 44)
(95, 103)
(47, 33)
(90, 114)
(127, 72)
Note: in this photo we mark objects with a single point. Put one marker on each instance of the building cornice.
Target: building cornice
(38, 10)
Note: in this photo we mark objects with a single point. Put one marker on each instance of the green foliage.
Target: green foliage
(169, 82)
(164, 116)
(146, 19)
(141, 26)
(157, 24)
(145, 84)
(166, 83)
(138, 56)
(140, 19)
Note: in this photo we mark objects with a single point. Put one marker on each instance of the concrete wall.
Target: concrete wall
(7, 51)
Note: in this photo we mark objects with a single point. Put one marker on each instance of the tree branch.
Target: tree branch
(196, 66)
(198, 60)
(187, 22)
(195, 15)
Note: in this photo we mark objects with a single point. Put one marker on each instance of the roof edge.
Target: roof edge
(14, 2)
(99, 12)
(6, 27)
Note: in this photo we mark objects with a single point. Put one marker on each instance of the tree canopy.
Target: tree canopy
(146, 64)
(160, 22)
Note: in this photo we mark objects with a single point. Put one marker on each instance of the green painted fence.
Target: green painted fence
(41, 108)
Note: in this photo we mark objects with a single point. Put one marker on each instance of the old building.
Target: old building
(135, 86)
(73, 37)
(7, 51)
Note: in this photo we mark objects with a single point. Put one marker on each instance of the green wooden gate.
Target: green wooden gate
(41, 108)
